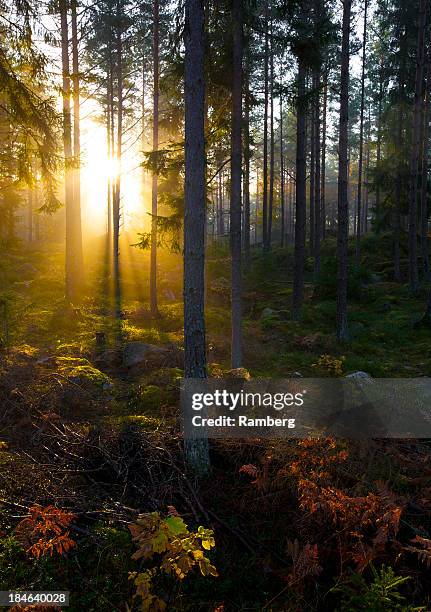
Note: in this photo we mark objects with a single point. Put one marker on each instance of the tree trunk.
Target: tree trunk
(116, 211)
(379, 143)
(414, 159)
(300, 204)
(323, 166)
(236, 170)
(76, 139)
(30, 214)
(317, 195)
(73, 257)
(282, 194)
(343, 204)
(424, 181)
(154, 194)
(197, 451)
(312, 224)
(247, 155)
(361, 142)
(265, 136)
(272, 142)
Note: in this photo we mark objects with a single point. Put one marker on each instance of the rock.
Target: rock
(135, 353)
(295, 375)
(267, 313)
(360, 376)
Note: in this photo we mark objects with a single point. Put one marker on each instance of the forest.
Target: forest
(213, 190)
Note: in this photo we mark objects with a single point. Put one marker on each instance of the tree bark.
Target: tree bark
(300, 204)
(247, 155)
(197, 451)
(76, 139)
(272, 142)
(323, 165)
(343, 204)
(361, 142)
(265, 136)
(317, 185)
(73, 256)
(154, 190)
(116, 211)
(282, 190)
(414, 159)
(236, 170)
(424, 180)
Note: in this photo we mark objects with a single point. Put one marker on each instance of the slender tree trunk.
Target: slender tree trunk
(265, 136)
(197, 451)
(317, 185)
(361, 142)
(116, 204)
(247, 155)
(414, 160)
(73, 259)
(300, 205)
(282, 194)
(256, 207)
(110, 152)
(154, 194)
(343, 178)
(323, 172)
(424, 180)
(379, 144)
(30, 214)
(236, 170)
(76, 139)
(312, 223)
(272, 142)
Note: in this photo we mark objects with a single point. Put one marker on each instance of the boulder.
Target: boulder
(135, 353)
(268, 313)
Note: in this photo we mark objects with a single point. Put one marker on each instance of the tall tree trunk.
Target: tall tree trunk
(424, 180)
(361, 142)
(30, 214)
(247, 155)
(272, 142)
(323, 166)
(414, 159)
(282, 191)
(73, 257)
(116, 204)
(236, 170)
(312, 224)
(265, 135)
(343, 178)
(76, 138)
(154, 193)
(197, 451)
(379, 143)
(110, 152)
(317, 195)
(300, 204)
(256, 208)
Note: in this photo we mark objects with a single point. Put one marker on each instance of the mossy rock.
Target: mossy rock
(165, 377)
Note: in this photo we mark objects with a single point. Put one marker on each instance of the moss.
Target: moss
(83, 371)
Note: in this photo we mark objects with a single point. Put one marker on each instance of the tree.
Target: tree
(343, 203)
(73, 215)
(414, 158)
(154, 187)
(236, 171)
(197, 452)
(300, 202)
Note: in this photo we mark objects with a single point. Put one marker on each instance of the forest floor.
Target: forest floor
(298, 525)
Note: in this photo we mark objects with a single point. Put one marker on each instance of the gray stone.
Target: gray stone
(268, 313)
(135, 353)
